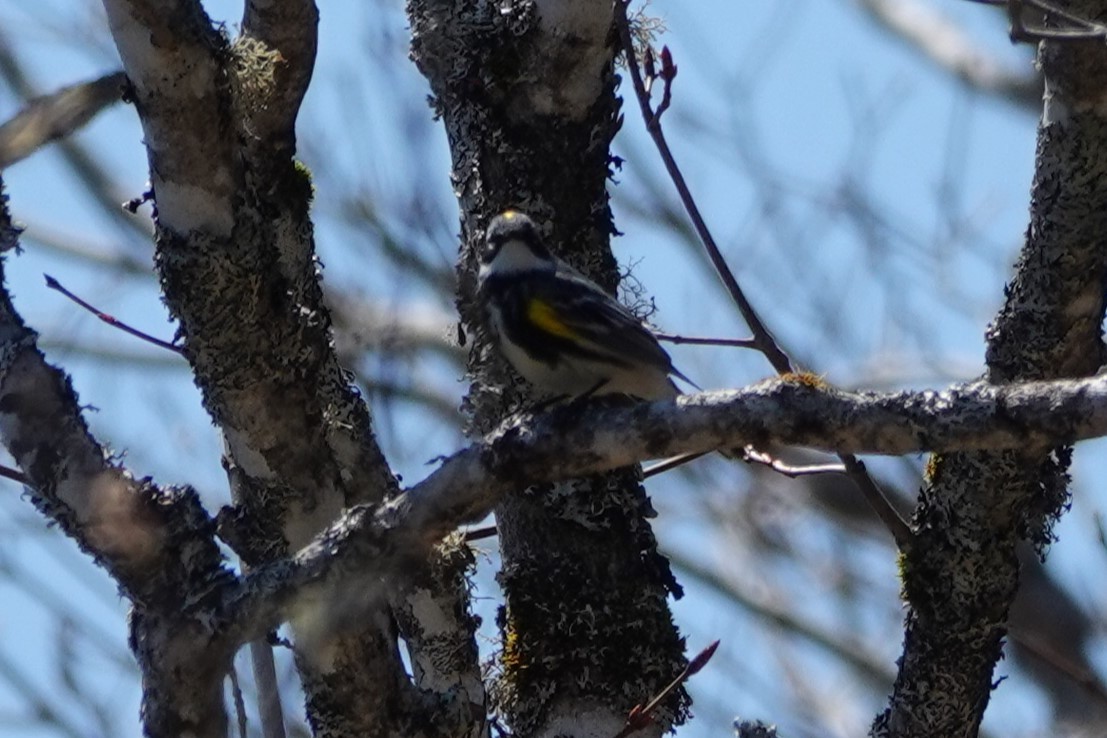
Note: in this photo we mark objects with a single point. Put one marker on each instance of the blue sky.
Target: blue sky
(784, 114)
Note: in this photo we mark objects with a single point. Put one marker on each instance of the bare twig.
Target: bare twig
(1079, 674)
(93, 176)
(1083, 28)
(702, 341)
(270, 710)
(110, 319)
(640, 716)
(668, 464)
(51, 117)
(239, 703)
(14, 474)
(38, 707)
(762, 340)
(761, 336)
(754, 456)
(477, 534)
(896, 525)
(859, 656)
(71, 246)
(943, 42)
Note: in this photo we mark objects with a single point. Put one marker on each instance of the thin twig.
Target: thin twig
(1060, 12)
(477, 534)
(702, 341)
(896, 525)
(762, 339)
(270, 711)
(1079, 674)
(640, 716)
(668, 464)
(239, 703)
(110, 319)
(1085, 27)
(15, 475)
(754, 456)
(38, 707)
(857, 655)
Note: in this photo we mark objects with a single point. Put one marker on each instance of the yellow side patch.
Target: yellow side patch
(542, 316)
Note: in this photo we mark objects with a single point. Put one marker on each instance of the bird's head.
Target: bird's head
(512, 244)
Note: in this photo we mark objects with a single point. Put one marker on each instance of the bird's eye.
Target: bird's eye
(491, 248)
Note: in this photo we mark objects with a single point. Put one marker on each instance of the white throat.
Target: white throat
(515, 257)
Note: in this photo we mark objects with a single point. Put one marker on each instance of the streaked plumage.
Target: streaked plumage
(560, 330)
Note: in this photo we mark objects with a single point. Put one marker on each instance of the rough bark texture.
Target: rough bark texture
(961, 575)
(526, 91)
(368, 549)
(236, 258)
(432, 609)
(156, 543)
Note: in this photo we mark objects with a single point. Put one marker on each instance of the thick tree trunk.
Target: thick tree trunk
(235, 254)
(527, 95)
(961, 574)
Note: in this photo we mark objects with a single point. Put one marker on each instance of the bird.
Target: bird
(560, 330)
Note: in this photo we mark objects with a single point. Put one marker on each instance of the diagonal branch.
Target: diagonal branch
(763, 339)
(54, 116)
(131, 527)
(236, 258)
(368, 547)
(946, 44)
(289, 30)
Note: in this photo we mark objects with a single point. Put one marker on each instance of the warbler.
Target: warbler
(559, 329)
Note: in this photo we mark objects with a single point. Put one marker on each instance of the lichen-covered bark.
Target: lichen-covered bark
(369, 549)
(235, 255)
(433, 612)
(962, 572)
(157, 543)
(526, 91)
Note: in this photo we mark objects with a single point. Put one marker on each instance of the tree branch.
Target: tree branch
(368, 547)
(287, 28)
(235, 254)
(171, 54)
(961, 573)
(134, 529)
(50, 117)
(948, 46)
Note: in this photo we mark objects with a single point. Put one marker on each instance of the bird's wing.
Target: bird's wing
(576, 310)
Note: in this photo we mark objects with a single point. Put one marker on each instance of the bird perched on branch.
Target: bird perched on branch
(559, 329)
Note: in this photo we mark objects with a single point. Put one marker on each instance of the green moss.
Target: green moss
(304, 179)
(805, 379)
(932, 471)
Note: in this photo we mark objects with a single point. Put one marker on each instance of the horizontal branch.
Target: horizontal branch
(577, 439)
